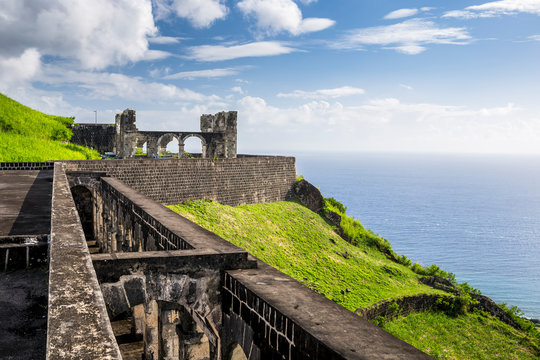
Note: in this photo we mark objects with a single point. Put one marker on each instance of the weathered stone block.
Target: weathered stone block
(115, 298)
(135, 288)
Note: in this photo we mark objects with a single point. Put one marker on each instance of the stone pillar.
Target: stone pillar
(138, 319)
(169, 337)
(180, 149)
(151, 331)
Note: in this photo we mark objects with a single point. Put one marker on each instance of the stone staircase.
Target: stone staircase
(131, 345)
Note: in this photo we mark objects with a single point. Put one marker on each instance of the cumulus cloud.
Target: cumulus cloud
(96, 33)
(497, 8)
(17, 70)
(276, 16)
(408, 37)
(237, 89)
(200, 13)
(209, 73)
(229, 52)
(324, 93)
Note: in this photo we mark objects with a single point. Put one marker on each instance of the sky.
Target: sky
(306, 75)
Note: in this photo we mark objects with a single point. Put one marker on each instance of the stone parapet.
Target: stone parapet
(78, 326)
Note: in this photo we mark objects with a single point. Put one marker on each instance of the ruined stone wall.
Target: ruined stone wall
(244, 180)
(98, 136)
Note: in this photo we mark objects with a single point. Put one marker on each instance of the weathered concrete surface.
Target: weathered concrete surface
(78, 326)
(23, 314)
(25, 202)
(321, 328)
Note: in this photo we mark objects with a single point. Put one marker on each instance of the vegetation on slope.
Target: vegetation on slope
(300, 243)
(474, 335)
(29, 135)
(357, 274)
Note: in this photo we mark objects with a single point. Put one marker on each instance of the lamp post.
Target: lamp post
(95, 111)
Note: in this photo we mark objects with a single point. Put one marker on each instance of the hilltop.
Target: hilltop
(363, 272)
(29, 135)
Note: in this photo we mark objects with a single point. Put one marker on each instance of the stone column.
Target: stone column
(151, 331)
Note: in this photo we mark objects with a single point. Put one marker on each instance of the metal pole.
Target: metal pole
(95, 111)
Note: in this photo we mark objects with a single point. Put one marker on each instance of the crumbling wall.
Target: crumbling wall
(101, 137)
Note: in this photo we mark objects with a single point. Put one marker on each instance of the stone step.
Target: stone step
(93, 250)
(91, 243)
(131, 346)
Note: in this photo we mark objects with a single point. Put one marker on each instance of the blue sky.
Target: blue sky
(341, 75)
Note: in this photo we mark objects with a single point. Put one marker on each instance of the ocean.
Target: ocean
(475, 216)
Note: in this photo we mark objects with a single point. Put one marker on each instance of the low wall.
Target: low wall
(244, 180)
(78, 326)
(26, 165)
(271, 315)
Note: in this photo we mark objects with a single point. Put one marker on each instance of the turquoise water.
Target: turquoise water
(475, 216)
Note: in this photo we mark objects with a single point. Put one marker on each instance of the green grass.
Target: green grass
(470, 336)
(29, 135)
(302, 244)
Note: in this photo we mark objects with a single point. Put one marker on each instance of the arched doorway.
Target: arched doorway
(168, 146)
(85, 207)
(194, 147)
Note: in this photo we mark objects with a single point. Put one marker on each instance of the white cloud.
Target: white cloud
(96, 33)
(223, 52)
(200, 13)
(275, 16)
(387, 124)
(209, 73)
(237, 89)
(324, 93)
(405, 86)
(535, 37)
(17, 70)
(409, 37)
(307, 2)
(497, 8)
(401, 13)
(164, 40)
(151, 55)
(105, 85)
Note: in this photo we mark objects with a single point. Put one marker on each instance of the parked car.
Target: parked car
(109, 155)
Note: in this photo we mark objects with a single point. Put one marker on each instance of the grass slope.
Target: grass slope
(303, 245)
(470, 336)
(29, 135)
(300, 243)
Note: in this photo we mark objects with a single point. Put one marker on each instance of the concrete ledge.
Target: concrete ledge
(109, 267)
(320, 328)
(78, 326)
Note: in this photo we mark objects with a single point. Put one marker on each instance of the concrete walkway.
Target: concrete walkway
(25, 202)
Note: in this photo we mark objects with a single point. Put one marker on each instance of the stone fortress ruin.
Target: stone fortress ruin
(130, 279)
(217, 136)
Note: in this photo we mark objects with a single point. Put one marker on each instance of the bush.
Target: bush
(335, 204)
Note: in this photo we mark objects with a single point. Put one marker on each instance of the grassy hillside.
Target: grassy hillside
(29, 135)
(303, 245)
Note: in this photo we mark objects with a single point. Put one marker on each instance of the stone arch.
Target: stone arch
(165, 139)
(84, 202)
(141, 147)
(203, 143)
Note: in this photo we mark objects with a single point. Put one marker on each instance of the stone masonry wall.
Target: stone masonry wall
(243, 180)
(98, 136)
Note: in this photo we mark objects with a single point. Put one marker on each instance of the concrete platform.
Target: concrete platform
(25, 202)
